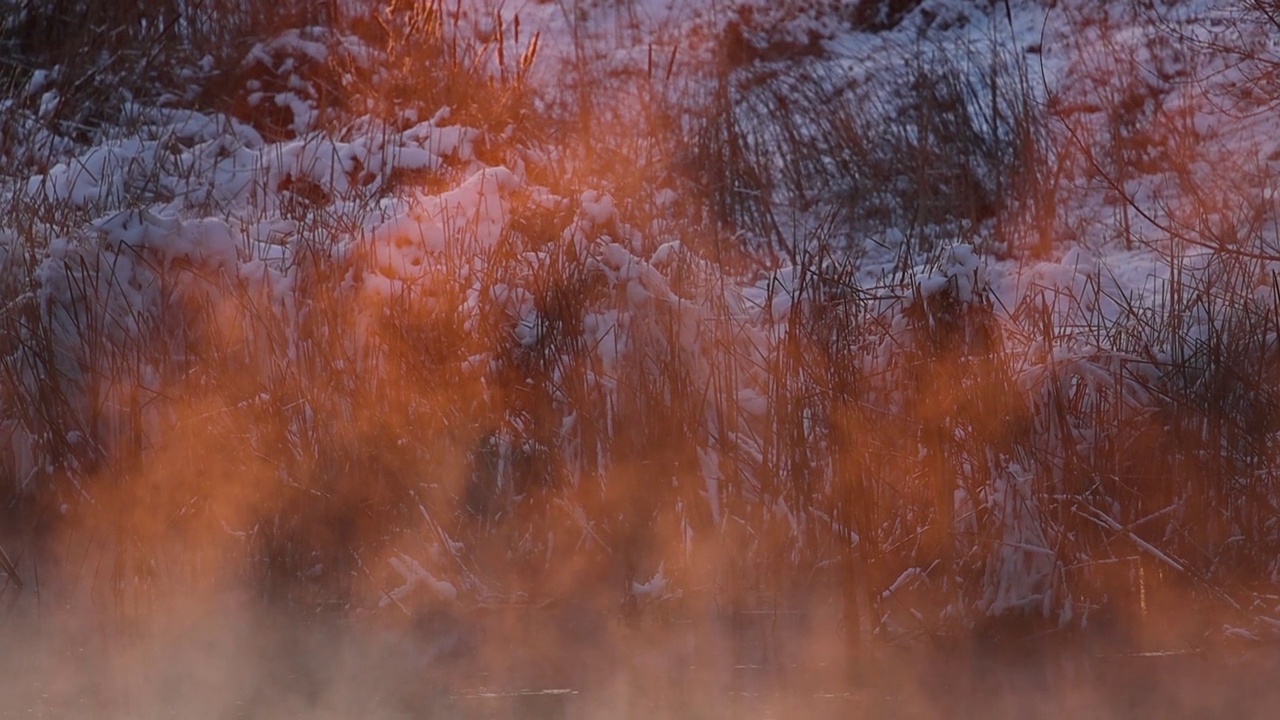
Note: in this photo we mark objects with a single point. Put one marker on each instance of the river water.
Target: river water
(214, 662)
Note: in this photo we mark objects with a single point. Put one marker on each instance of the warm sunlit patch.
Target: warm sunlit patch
(697, 381)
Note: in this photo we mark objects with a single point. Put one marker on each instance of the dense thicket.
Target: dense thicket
(342, 304)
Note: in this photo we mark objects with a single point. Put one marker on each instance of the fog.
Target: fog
(230, 655)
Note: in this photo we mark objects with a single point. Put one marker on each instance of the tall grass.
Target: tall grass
(595, 396)
(794, 153)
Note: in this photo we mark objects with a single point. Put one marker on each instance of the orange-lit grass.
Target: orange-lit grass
(299, 452)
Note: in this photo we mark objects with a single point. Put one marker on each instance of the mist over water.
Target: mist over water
(231, 655)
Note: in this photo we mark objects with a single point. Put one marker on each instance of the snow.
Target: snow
(415, 577)
(1021, 576)
(655, 588)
